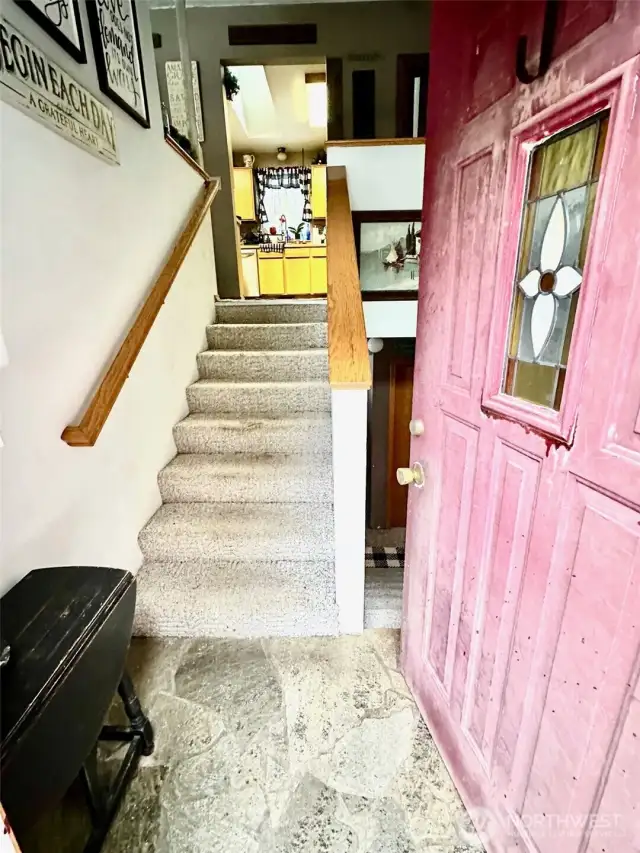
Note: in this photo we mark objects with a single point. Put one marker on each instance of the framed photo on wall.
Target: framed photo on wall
(116, 46)
(60, 19)
(388, 249)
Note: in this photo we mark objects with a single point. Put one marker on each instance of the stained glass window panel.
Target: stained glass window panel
(556, 222)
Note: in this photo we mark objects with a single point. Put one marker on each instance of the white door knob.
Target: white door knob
(416, 427)
(413, 475)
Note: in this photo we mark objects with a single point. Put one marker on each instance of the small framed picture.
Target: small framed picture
(116, 46)
(388, 249)
(61, 20)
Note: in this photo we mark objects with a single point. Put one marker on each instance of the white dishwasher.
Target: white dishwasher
(250, 272)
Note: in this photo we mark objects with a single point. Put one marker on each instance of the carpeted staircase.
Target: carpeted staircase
(243, 544)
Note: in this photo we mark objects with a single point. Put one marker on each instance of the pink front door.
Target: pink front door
(521, 636)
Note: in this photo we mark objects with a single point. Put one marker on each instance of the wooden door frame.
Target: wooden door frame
(396, 359)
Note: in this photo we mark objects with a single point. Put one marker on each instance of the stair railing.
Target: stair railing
(86, 432)
(350, 379)
(348, 354)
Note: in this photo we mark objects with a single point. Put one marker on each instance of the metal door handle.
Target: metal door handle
(411, 476)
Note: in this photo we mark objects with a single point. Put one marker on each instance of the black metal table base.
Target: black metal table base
(103, 801)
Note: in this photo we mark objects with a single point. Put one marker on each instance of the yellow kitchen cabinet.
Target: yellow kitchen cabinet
(319, 192)
(271, 273)
(318, 271)
(297, 273)
(243, 194)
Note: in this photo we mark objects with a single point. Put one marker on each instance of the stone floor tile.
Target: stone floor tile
(277, 746)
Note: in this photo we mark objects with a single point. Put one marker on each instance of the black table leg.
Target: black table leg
(139, 721)
(93, 788)
(103, 804)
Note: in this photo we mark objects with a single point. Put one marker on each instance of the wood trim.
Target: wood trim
(362, 143)
(8, 832)
(348, 353)
(315, 77)
(187, 159)
(335, 123)
(85, 434)
(391, 418)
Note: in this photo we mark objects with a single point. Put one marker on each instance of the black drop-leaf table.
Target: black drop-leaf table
(68, 630)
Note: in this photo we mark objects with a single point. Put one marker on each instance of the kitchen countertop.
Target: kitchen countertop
(289, 245)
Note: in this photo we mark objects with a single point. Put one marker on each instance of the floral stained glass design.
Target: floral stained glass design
(561, 193)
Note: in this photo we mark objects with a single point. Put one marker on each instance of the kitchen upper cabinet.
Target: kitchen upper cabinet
(318, 270)
(271, 273)
(243, 194)
(319, 192)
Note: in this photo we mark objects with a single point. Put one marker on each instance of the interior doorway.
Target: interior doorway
(388, 450)
(276, 124)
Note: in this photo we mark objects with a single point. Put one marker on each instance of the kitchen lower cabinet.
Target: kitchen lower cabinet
(271, 274)
(297, 275)
(300, 271)
(318, 271)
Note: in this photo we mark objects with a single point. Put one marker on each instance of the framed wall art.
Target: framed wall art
(60, 19)
(177, 105)
(116, 45)
(388, 250)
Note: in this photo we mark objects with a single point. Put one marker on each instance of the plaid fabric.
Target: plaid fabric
(286, 178)
(384, 558)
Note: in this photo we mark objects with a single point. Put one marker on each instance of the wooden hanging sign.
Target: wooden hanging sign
(35, 84)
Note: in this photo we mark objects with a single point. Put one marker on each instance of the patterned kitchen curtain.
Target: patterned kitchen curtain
(284, 178)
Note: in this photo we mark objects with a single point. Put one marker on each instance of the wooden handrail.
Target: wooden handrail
(348, 354)
(364, 143)
(85, 434)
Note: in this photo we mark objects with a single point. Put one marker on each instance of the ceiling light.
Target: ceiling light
(282, 154)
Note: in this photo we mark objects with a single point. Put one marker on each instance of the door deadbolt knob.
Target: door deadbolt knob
(409, 476)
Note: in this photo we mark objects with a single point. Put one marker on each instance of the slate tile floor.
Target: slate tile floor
(283, 746)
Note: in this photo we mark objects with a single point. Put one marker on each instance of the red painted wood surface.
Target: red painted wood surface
(521, 635)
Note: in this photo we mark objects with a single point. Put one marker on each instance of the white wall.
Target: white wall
(384, 177)
(349, 436)
(81, 244)
(391, 318)
(381, 177)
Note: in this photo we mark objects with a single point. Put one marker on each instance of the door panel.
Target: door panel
(472, 182)
(577, 19)
(521, 639)
(400, 394)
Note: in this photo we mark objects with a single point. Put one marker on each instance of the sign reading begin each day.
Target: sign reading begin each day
(38, 86)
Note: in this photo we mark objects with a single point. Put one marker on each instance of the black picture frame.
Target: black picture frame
(78, 52)
(95, 29)
(361, 216)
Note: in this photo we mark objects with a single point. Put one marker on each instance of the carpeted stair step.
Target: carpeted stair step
(294, 433)
(183, 532)
(264, 366)
(383, 597)
(265, 336)
(247, 478)
(236, 599)
(262, 398)
(272, 311)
